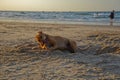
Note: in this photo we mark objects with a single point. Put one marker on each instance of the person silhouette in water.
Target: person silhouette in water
(112, 15)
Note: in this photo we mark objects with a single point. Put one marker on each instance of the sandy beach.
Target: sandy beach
(99, 61)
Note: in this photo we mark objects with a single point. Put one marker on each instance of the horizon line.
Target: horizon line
(59, 11)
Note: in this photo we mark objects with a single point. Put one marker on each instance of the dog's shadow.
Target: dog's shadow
(32, 49)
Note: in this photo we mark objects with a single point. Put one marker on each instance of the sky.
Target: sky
(60, 5)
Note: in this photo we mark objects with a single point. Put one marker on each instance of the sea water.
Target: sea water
(92, 18)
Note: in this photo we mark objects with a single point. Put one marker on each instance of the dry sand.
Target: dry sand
(19, 61)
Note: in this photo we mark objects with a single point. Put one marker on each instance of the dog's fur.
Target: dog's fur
(55, 42)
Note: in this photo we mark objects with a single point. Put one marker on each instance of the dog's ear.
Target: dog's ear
(40, 32)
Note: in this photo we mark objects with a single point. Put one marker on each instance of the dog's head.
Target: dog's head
(40, 36)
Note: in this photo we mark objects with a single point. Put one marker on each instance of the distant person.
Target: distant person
(112, 15)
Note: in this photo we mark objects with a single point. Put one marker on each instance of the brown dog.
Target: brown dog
(55, 42)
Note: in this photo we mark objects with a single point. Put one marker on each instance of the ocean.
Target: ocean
(92, 18)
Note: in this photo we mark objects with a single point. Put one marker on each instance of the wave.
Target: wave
(59, 16)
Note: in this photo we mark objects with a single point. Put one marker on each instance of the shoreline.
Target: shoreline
(57, 23)
(97, 23)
